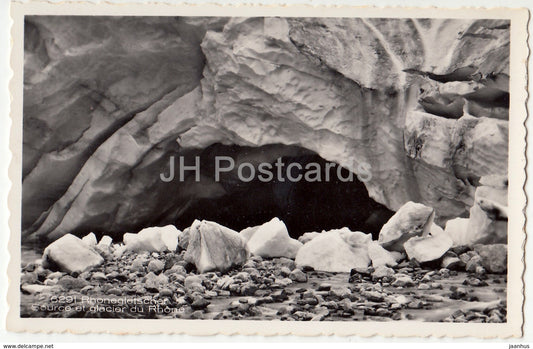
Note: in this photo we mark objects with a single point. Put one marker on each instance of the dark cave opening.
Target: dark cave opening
(304, 206)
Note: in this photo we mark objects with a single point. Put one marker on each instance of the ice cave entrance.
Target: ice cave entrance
(257, 188)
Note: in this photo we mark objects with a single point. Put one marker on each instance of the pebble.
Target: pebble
(199, 303)
(423, 287)
(156, 266)
(381, 272)
(99, 276)
(68, 282)
(324, 287)
(298, 275)
(165, 292)
(402, 280)
(114, 291)
(192, 280)
(284, 271)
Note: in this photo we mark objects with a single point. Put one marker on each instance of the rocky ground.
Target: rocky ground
(165, 285)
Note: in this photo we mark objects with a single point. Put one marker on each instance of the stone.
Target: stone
(118, 251)
(183, 239)
(428, 248)
(156, 266)
(412, 219)
(488, 217)
(373, 296)
(457, 230)
(154, 239)
(452, 262)
(335, 251)
(298, 276)
(89, 240)
(247, 233)
(306, 237)
(487, 223)
(381, 272)
(114, 291)
(473, 263)
(272, 240)
(199, 303)
(105, 242)
(215, 247)
(71, 255)
(155, 282)
(99, 276)
(192, 280)
(284, 271)
(324, 287)
(380, 256)
(493, 257)
(31, 289)
(169, 236)
(402, 280)
(68, 282)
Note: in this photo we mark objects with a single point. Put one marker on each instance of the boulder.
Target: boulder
(487, 223)
(488, 217)
(272, 240)
(457, 230)
(183, 239)
(154, 239)
(493, 257)
(247, 233)
(214, 247)
(381, 272)
(412, 219)
(169, 235)
(104, 246)
(380, 256)
(428, 248)
(71, 255)
(336, 251)
(105, 242)
(452, 262)
(306, 237)
(90, 240)
(298, 276)
(156, 266)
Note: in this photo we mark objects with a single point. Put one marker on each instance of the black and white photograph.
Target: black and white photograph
(266, 168)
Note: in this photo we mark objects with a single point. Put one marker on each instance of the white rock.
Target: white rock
(428, 248)
(493, 257)
(382, 271)
(246, 234)
(215, 247)
(412, 219)
(306, 237)
(71, 255)
(487, 223)
(336, 251)
(31, 289)
(153, 239)
(488, 217)
(119, 251)
(89, 240)
(495, 181)
(272, 240)
(380, 256)
(457, 230)
(105, 241)
(169, 235)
